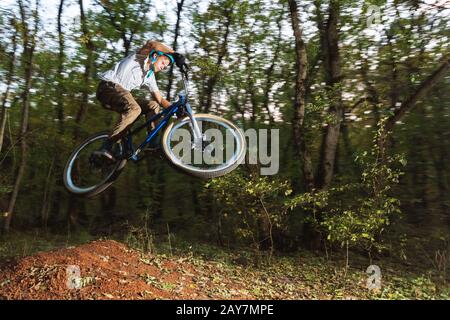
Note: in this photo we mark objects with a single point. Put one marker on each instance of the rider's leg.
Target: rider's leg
(120, 100)
(129, 112)
(149, 108)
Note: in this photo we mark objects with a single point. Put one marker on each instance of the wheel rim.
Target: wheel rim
(238, 144)
(81, 177)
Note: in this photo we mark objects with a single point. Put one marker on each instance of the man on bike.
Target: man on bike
(136, 70)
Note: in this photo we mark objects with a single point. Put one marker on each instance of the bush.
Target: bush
(356, 214)
(252, 207)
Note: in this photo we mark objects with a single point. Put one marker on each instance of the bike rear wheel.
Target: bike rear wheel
(222, 149)
(86, 176)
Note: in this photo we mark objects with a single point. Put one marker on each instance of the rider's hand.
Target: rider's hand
(180, 61)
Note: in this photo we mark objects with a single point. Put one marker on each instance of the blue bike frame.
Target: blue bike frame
(182, 102)
(166, 114)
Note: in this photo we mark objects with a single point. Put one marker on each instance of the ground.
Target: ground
(112, 270)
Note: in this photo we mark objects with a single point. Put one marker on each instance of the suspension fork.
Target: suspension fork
(198, 137)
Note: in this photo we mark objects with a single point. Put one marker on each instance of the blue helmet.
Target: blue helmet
(160, 53)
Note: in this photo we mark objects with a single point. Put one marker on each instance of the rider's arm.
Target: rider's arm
(154, 90)
(159, 98)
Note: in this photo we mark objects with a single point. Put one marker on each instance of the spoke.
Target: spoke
(210, 148)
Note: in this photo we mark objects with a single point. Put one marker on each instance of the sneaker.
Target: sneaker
(106, 151)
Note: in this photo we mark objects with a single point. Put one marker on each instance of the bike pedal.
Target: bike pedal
(151, 150)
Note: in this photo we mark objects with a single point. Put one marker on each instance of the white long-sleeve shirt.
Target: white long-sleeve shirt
(130, 74)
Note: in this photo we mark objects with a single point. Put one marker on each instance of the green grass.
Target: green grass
(20, 244)
(305, 275)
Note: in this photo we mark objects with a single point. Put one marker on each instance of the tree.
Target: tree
(29, 39)
(61, 56)
(128, 18)
(174, 46)
(212, 32)
(333, 81)
(74, 203)
(10, 76)
(419, 93)
(298, 125)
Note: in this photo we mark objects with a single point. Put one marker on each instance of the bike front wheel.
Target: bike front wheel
(85, 177)
(221, 149)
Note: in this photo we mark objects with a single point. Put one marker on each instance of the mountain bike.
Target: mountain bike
(193, 143)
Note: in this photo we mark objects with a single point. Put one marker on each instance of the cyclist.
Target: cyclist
(136, 70)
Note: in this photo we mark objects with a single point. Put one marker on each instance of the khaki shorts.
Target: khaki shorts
(115, 97)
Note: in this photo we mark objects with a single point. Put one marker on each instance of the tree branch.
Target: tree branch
(421, 92)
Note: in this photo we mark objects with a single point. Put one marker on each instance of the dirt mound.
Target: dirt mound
(111, 270)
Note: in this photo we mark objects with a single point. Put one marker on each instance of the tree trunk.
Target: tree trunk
(3, 116)
(270, 71)
(74, 205)
(47, 195)
(333, 80)
(372, 93)
(61, 89)
(29, 45)
(87, 69)
(299, 103)
(211, 83)
(10, 75)
(174, 47)
(250, 87)
(420, 93)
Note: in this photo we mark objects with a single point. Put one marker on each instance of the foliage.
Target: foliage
(357, 214)
(253, 206)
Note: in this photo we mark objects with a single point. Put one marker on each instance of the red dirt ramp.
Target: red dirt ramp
(108, 269)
